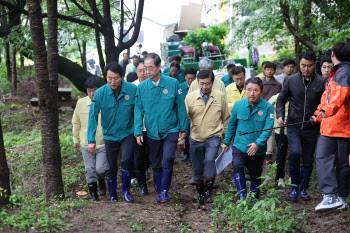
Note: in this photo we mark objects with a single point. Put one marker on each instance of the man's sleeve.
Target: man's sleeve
(76, 124)
(265, 135)
(187, 108)
(282, 99)
(341, 95)
(231, 126)
(225, 112)
(321, 106)
(138, 114)
(181, 108)
(93, 118)
(230, 98)
(222, 88)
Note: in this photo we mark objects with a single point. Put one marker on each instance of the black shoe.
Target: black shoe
(186, 157)
(102, 187)
(93, 191)
(208, 188)
(201, 193)
(141, 179)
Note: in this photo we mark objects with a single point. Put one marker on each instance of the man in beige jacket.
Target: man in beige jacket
(208, 111)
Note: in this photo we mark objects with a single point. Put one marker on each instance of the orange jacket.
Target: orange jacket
(335, 103)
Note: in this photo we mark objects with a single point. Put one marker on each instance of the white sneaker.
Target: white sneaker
(344, 202)
(280, 181)
(330, 201)
(134, 182)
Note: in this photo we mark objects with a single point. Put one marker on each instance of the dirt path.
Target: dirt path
(182, 213)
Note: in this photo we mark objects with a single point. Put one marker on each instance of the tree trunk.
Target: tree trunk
(4, 173)
(84, 55)
(8, 62)
(22, 61)
(47, 93)
(14, 72)
(297, 46)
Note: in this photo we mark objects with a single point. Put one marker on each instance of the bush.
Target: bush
(214, 35)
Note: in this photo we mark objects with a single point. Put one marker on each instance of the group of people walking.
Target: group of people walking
(162, 111)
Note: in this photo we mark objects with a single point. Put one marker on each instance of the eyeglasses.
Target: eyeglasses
(150, 68)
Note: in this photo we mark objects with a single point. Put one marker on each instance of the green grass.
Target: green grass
(31, 212)
(268, 214)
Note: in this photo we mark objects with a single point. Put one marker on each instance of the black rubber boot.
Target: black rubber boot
(208, 188)
(141, 179)
(102, 186)
(93, 191)
(201, 193)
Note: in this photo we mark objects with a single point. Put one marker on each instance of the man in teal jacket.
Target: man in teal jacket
(159, 101)
(228, 78)
(116, 102)
(249, 114)
(176, 59)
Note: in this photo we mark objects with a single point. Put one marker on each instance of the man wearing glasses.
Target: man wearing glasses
(160, 103)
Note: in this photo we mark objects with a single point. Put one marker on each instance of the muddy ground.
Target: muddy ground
(183, 213)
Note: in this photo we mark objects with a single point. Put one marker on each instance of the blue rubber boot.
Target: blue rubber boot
(112, 188)
(240, 185)
(305, 174)
(166, 181)
(254, 188)
(157, 177)
(294, 174)
(126, 179)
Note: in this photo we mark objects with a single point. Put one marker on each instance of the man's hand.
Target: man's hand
(313, 119)
(76, 147)
(92, 148)
(181, 145)
(322, 114)
(253, 149)
(182, 135)
(224, 147)
(139, 140)
(281, 122)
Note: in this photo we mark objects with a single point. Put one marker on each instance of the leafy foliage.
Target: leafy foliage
(214, 35)
(321, 22)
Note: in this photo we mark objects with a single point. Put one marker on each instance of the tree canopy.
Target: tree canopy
(101, 21)
(313, 24)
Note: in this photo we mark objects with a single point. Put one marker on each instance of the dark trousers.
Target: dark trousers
(302, 143)
(203, 155)
(162, 152)
(112, 150)
(141, 155)
(282, 147)
(187, 141)
(330, 153)
(253, 163)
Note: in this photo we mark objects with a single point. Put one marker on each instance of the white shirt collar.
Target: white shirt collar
(156, 83)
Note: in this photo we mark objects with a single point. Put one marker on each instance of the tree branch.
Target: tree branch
(286, 18)
(82, 9)
(97, 36)
(121, 34)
